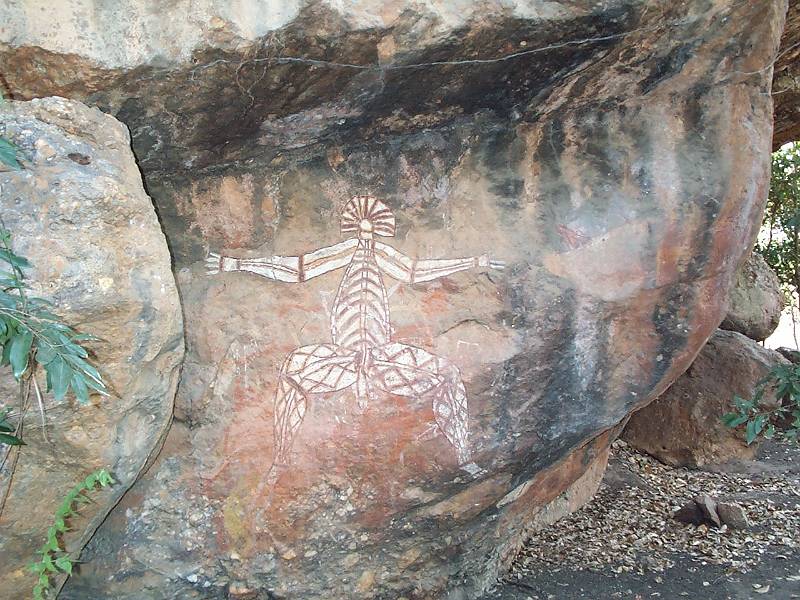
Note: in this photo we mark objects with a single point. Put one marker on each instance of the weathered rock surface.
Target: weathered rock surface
(683, 427)
(790, 354)
(614, 155)
(755, 301)
(79, 213)
(786, 85)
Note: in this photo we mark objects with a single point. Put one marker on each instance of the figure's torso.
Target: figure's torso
(360, 317)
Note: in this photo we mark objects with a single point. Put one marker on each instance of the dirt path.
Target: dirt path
(625, 544)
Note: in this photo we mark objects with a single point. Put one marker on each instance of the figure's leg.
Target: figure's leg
(290, 408)
(450, 409)
(315, 369)
(410, 371)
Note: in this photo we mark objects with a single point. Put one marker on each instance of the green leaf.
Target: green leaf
(37, 302)
(37, 567)
(47, 561)
(4, 424)
(14, 260)
(45, 315)
(37, 592)
(45, 354)
(8, 154)
(734, 419)
(10, 440)
(99, 387)
(18, 356)
(754, 428)
(65, 564)
(104, 477)
(94, 379)
(769, 432)
(8, 301)
(5, 358)
(52, 538)
(63, 511)
(79, 387)
(85, 337)
(59, 374)
(761, 421)
(77, 350)
(742, 404)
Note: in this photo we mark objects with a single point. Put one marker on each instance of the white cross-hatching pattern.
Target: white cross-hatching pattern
(362, 353)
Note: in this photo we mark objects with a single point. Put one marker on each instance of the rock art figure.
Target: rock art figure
(362, 353)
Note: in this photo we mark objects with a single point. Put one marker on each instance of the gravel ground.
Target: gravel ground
(625, 543)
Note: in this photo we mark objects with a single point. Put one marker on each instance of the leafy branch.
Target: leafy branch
(783, 418)
(31, 335)
(54, 558)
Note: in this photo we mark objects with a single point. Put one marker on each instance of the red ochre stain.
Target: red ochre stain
(436, 301)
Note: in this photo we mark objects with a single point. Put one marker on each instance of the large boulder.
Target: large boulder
(615, 155)
(755, 301)
(683, 427)
(79, 213)
(786, 84)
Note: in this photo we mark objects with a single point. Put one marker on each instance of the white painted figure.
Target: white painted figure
(362, 353)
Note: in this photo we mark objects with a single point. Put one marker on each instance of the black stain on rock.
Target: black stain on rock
(553, 191)
(501, 151)
(668, 66)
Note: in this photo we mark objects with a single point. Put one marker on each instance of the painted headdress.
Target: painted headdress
(370, 209)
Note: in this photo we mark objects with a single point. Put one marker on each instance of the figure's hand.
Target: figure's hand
(485, 261)
(213, 263)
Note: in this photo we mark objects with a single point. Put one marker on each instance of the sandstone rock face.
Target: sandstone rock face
(683, 426)
(79, 213)
(613, 155)
(786, 86)
(755, 301)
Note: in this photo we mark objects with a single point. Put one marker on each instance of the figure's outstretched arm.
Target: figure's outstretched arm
(408, 270)
(292, 269)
